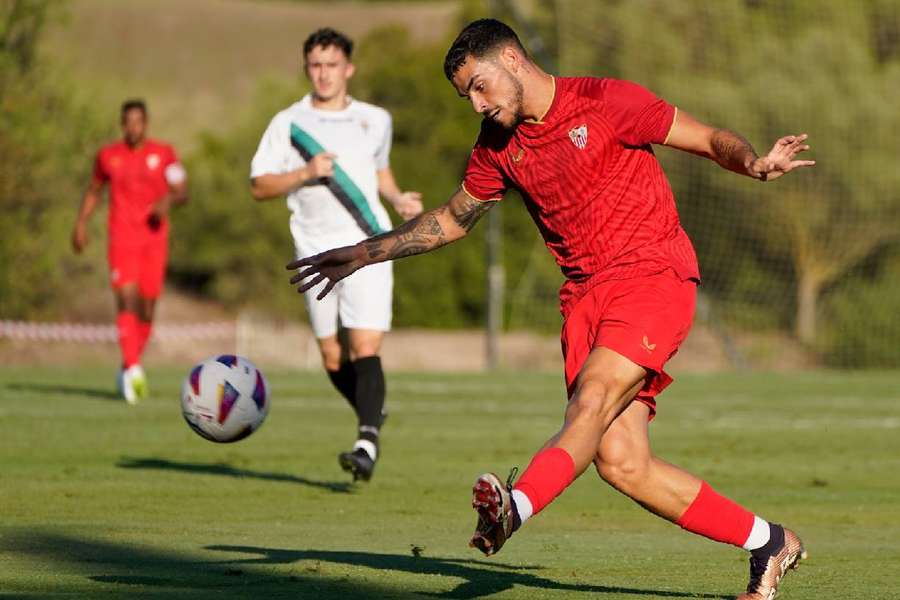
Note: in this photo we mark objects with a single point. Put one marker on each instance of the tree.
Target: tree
(45, 164)
(765, 70)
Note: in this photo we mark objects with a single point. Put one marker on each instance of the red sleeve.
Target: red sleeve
(170, 157)
(638, 116)
(483, 179)
(100, 174)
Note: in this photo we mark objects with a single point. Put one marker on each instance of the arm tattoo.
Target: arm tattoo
(413, 237)
(467, 213)
(732, 151)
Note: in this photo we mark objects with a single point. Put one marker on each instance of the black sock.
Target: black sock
(370, 390)
(344, 380)
(776, 541)
(516, 519)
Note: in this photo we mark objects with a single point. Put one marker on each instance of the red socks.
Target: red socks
(710, 514)
(717, 518)
(144, 329)
(129, 338)
(549, 473)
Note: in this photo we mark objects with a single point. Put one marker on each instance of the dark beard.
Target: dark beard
(516, 108)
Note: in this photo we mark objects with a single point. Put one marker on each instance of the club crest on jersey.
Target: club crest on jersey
(152, 161)
(578, 135)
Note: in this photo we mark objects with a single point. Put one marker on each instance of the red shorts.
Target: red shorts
(644, 319)
(143, 264)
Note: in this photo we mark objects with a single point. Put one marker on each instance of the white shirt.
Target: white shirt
(345, 208)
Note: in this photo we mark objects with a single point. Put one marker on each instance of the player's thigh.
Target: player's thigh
(124, 263)
(606, 384)
(323, 314)
(152, 275)
(366, 298)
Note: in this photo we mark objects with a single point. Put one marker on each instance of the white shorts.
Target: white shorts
(362, 301)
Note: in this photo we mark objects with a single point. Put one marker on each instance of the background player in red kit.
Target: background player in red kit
(145, 179)
(579, 151)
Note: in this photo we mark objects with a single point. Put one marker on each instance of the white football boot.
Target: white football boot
(138, 384)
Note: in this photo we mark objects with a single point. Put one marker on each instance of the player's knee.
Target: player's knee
(128, 301)
(331, 355)
(623, 465)
(364, 351)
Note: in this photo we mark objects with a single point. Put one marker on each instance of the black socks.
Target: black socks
(344, 380)
(370, 390)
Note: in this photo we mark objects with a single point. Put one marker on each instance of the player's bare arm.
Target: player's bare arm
(276, 185)
(428, 231)
(92, 197)
(733, 152)
(177, 195)
(407, 204)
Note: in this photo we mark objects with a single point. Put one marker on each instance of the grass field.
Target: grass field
(99, 500)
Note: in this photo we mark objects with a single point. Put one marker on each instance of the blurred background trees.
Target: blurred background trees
(812, 259)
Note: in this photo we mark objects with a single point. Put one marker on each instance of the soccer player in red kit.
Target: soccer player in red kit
(580, 152)
(145, 179)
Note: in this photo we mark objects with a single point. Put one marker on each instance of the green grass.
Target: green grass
(100, 500)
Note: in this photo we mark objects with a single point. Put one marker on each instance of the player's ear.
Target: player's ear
(510, 58)
(351, 69)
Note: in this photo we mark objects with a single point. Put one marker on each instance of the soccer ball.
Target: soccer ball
(225, 398)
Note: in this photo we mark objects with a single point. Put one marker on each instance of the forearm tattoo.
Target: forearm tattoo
(732, 151)
(425, 232)
(413, 237)
(468, 211)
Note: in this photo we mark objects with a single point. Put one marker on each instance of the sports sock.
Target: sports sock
(773, 544)
(760, 534)
(370, 390)
(344, 380)
(369, 447)
(129, 338)
(549, 473)
(718, 518)
(144, 329)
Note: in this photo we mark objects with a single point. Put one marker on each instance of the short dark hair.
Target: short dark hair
(328, 37)
(134, 103)
(478, 39)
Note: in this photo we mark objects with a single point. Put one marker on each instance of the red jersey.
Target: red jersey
(137, 180)
(591, 182)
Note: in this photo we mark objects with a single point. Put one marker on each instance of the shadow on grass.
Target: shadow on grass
(67, 390)
(480, 578)
(153, 573)
(160, 464)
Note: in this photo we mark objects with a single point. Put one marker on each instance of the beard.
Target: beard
(515, 107)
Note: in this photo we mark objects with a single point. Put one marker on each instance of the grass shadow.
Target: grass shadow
(88, 568)
(66, 390)
(480, 578)
(226, 470)
(146, 572)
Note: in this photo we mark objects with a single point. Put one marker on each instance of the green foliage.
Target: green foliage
(225, 245)
(766, 70)
(862, 316)
(48, 134)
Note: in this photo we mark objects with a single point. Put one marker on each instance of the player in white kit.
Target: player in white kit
(329, 154)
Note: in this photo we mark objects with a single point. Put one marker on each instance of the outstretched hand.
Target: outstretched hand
(332, 265)
(781, 159)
